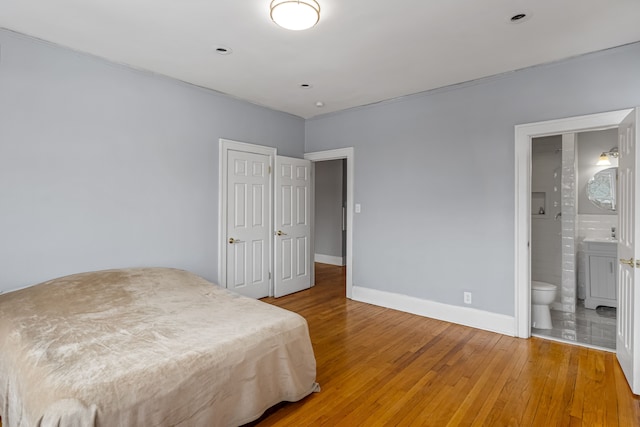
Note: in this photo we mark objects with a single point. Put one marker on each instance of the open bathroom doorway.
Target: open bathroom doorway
(573, 246)
(628, 246)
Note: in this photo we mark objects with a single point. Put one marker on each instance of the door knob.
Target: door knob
(232, 240)
(628, 262)
(280, 233)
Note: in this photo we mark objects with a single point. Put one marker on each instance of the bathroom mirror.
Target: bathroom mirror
(601, 189)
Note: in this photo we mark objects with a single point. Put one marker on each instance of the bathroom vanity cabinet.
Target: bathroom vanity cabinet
(601, 264)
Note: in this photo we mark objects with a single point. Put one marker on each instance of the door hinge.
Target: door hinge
(269, 169)
(269, 275)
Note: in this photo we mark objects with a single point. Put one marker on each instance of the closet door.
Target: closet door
(248, 194)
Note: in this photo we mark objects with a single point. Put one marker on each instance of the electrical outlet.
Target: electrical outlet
(467, 297)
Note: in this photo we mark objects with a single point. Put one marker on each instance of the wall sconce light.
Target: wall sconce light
(295, 14)
(605, 160)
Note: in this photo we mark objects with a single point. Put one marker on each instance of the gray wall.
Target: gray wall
(102, 166)
(328, 208)
(590, 145)
(434, 173)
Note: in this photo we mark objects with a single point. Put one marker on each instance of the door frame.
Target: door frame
(225, 145)
(337, 154)
(523, 135)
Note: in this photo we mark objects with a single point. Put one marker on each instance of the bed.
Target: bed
(150, 346)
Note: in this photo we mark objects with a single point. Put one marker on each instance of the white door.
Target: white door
(248, 194)
(628, 327)
(292, 258)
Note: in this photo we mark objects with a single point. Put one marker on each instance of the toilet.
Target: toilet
(542, 294)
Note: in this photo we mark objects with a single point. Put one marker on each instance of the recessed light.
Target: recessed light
(305, 86)
(319, 104)
(520, 17)
(223, 50)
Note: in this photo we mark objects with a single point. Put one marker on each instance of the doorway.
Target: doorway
(573, 245)
(523, 136)
(348, 155)
(247, 269)
(330, 212)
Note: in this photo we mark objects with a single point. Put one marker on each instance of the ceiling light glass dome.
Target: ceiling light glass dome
(295, 14)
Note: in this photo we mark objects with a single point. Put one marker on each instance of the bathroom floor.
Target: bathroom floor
(593, 328)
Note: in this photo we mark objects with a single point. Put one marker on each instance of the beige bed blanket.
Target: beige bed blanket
(146, 347)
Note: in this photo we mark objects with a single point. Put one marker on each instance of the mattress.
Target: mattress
(150, 346)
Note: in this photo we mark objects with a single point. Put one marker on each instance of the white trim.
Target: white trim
(472, 317)
(523, 135)
(329, 259)
(225, 146)
(343, 153)
(312, 220)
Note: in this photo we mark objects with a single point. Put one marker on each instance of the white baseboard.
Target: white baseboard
(472, 317)
(329, 259)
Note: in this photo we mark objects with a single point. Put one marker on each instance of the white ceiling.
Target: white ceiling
(361, 51)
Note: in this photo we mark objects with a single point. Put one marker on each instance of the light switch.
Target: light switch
(357, 207)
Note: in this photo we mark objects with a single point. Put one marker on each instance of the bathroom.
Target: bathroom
(573, 237)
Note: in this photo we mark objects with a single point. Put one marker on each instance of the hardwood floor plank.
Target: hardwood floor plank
(378, 366)
(593, 410)
(581, 387)
(611, 407)
(485, 371)
(492, 409)
(533, 378)
(515, 394)
(627, 414)
(545, 399)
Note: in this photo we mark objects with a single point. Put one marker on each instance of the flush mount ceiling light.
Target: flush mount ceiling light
(604, 157)
(295, 14)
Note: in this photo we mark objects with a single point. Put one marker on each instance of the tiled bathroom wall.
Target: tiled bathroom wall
(567, 291)
(598, 226)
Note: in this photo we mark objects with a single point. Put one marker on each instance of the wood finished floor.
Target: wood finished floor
(378, 366)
